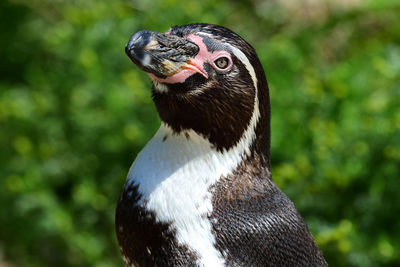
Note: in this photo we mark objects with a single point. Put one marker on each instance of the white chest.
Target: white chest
(174, 177)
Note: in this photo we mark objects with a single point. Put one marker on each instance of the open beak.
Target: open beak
(162, 55)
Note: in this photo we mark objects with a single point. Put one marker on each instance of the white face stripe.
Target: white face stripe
(175, 176)
(249, 134)
(242, 57)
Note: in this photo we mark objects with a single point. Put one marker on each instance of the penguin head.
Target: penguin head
(208, 79)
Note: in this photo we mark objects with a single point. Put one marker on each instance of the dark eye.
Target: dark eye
(222, 62)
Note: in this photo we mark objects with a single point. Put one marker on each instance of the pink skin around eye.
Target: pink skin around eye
(196, 65)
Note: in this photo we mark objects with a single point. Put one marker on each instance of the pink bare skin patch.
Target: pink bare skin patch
(195, 65)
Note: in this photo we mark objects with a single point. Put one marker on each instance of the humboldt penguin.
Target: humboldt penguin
(200, 193)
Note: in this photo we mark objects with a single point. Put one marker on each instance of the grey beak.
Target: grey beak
(159, 53)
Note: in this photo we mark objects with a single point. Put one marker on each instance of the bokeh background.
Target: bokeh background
(74, 112)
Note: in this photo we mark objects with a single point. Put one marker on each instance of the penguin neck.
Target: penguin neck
(253, 143)
(169, 152)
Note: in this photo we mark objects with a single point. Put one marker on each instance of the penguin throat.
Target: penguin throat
(175, 174)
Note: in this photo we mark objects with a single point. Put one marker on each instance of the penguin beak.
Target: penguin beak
(161, 54)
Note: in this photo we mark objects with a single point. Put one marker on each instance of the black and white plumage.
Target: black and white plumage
(200, 192)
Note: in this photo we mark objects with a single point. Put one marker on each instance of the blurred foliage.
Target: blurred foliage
(74, 112)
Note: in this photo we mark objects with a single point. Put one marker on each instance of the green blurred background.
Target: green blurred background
(74, 112)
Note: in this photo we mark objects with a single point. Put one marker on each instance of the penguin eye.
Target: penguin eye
(222, 63)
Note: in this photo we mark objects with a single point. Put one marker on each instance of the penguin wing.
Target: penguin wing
(265, 231)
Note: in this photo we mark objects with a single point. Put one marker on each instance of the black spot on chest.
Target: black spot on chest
(143, 241)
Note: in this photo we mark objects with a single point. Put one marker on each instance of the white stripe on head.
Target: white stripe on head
(175, 172)
(249, 134)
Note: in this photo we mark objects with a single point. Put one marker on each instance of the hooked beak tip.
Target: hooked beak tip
(135, 46)
(140, 39)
